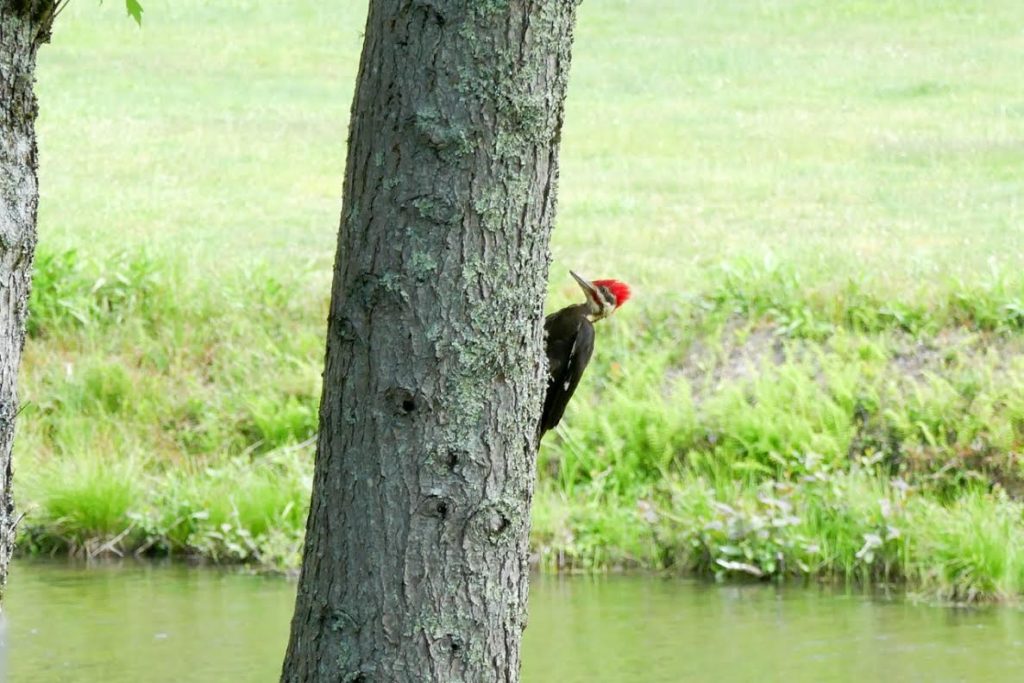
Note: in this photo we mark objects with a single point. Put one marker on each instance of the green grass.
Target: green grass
(817, 203)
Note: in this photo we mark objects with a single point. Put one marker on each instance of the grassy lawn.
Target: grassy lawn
(820, 205)
(883, 141)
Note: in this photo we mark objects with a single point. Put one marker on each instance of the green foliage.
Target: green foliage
(241, 511)
(714, 438)
(116, 290)
(819, 374)
(275, 423)
(760, 451)
(82, 503)
(971, 549)
(134, 10)
(595, 443)
(133, 7)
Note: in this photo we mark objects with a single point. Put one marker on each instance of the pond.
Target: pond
(169, 622)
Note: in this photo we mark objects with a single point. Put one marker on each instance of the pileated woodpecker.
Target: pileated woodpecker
(570, 341)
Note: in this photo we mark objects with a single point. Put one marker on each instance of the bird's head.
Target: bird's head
(603, 296)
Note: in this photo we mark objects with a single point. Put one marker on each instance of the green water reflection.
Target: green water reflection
(145, 622)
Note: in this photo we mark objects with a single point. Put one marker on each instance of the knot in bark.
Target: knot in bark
(493, 522)
(436, 506)
(404, 402)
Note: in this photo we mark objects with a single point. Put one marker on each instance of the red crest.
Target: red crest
(620, 290)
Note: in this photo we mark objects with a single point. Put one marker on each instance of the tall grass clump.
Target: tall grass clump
(164, 416)
(71, 292)
(968, 550)
(239, 511)
(81, 504)
(629, 434)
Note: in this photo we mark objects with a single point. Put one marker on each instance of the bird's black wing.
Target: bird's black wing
(568, 353)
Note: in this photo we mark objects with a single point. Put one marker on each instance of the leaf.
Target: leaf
(740, 567)
(134, 10)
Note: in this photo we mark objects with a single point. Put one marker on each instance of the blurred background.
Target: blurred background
(818, 204)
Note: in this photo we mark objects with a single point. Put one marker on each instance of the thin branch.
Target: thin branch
(58, 8)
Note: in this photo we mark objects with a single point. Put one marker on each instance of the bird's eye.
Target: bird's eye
(607, 296)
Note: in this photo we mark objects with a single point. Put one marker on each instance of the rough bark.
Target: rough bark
(24, 26)
(415, 566)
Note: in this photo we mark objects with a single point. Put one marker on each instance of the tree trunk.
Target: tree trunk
(24, 26)
(415, 565)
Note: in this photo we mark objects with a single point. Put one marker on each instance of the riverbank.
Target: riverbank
(817, 204)
(760, 427)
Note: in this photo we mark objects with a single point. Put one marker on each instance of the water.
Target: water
(147, 622)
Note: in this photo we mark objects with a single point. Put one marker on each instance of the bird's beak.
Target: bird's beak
(588, 288)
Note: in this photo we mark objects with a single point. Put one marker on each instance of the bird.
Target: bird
(569, 342)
